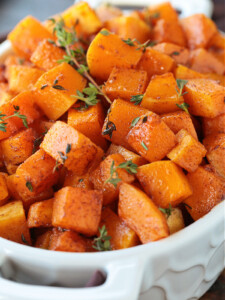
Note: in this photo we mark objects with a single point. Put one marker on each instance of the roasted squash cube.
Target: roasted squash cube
(107, 12)
(151, 137)
(121, 114)
(217, 41)
(77, 209)
(40, 214)
(4, 193)
(183, 72)
(208, 191)
(215, 145)
(178, 53)
(13, 224)
(188, 154)
(108, 51)
(121, 235)
(70, 147)
(82, 181)
(175, 220)
(165, 182)
(161, 94)
(147, 221)
(55, 88)
(26, 36)
(43, 240)
(214, 125)
(125, 83)
(103, 173)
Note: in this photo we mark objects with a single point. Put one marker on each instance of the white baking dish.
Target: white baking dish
(181, 267)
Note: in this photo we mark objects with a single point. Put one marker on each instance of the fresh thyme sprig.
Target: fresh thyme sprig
(102, 242)
(16, 113)
(88, 96)
(110, 127)
(181, 83)
(129, 166)
(184, 106)
(135, 42)
(38, 141)
(167, 211)
(66, 39)
(63, 157)
(137, 99)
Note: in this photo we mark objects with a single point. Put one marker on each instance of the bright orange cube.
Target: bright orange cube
(188, 153)
(40, 214)
(4, 193)
(82, 181)
(178, 53)
(77, 209)
(55, 88)
(183, 72)
(214, 125)
(165, 182)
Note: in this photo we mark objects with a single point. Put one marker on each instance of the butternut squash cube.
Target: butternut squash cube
(147, 221)
(47, 55)
(107, 51)
(67, 241)
(100, 175)
(206, 30)
(161, 94)
(77, 209)
(128, 155)
(121, 235)
(4, 193)
(129, 27)
(40, 214)
(163, 11)
(208, 191)
(217, 41)
(23, 78)
(215, 145)
(13, 224)
(151, 137)
(165, 182)
(26, 103)
(188, 154)
(26, 36)
(179, 120)
(121, 114)
(71, 148)
(89, 122)
(82, 181)
(55, 88)
(43, 240)
(205, 98)
(178, 53)
(155, 62)
(125, 83)
(214, 125)
(204, 62)
(175, 221)
(107, 12)
(183, 72)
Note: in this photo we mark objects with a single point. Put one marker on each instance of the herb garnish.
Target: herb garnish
(105, 32)
(175, 53)
(144, 146)
(17, 114)
(89, 95)
(129, 42)
(110, 127)
(43, 86)
(145, 119)
(64, 156)
(129, 166)
(38, 140)
(184, 106)
(185, 204)
(167, 211)
(138, 44)
(102, 243)
(136, 99)
(181, 83)
(24, 239)
(134, 122)
(29, 186)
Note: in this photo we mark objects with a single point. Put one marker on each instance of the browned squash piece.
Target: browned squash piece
(127, 154)
(129, 27)
(165, 182)
(163, 11)
(204, 62)
(47, 55)
(205, 97)
(26, 103)
(125, 83)
(188, 153)
(13, 224)
(40, 214)
(4, 193)
(107, 51)
(43, 240)
(217, 77)
(70, 148)
(121, 235)
(183, 72)
(77, 209)
(82, 181)
(26, 36)
(89, 122)
(107, 12)
(5, 94)
(33, 177)
(151, 137)
(215, 145)
(217, 41)
(161, 94)
(147, 221)
(55, 87)
(17, 148)
(179, 120)
(175, 221)
(214, 125)
(155, 62)
(178, 53)
(121, 114)
(67, 241)
(201, 37)
(23, 78)
(208, 191)
(102, 174)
